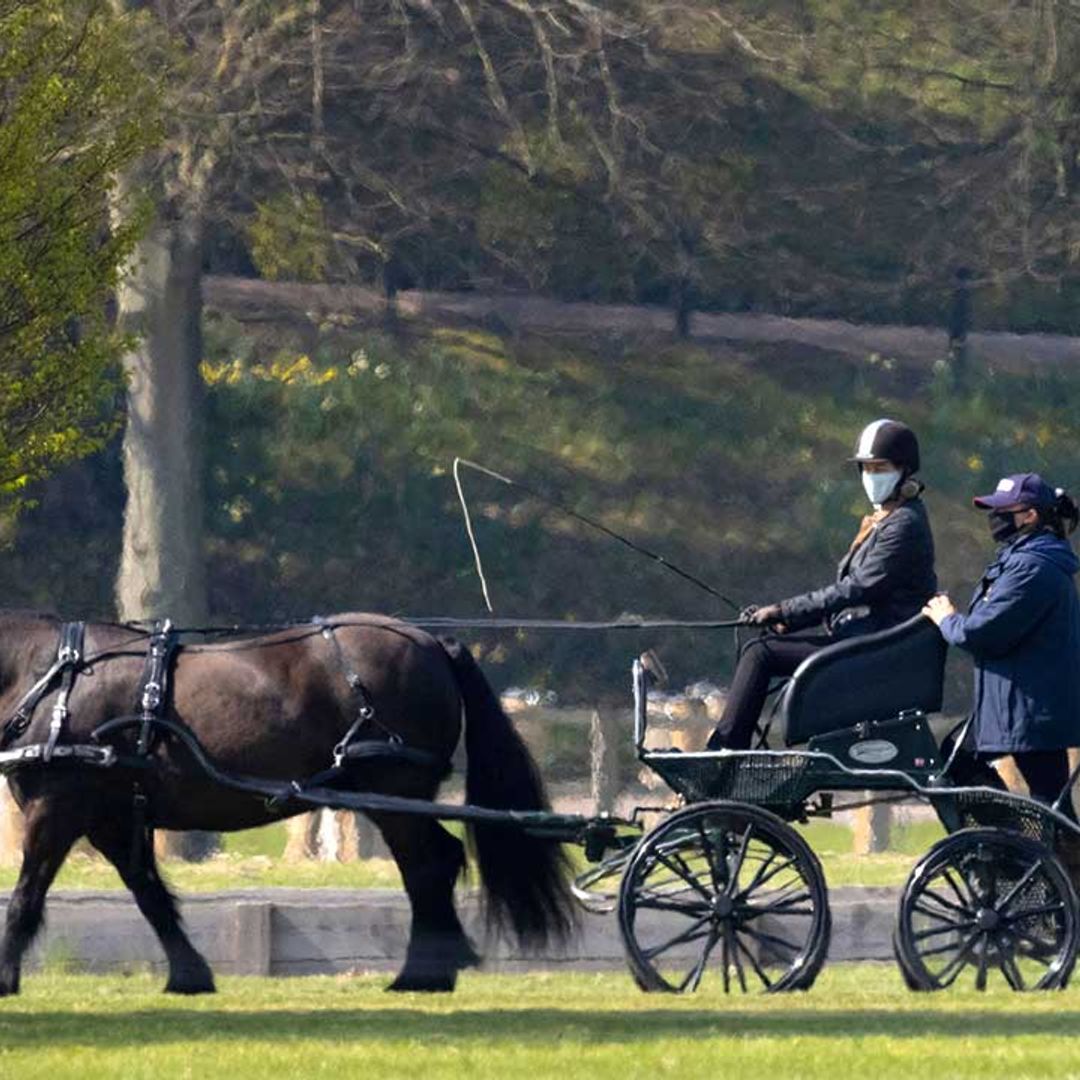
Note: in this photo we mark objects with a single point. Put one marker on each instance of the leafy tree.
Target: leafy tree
(74, 112)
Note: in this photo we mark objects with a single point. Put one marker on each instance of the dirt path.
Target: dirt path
(252, 300)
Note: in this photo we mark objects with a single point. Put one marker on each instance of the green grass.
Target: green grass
(252, 859)
(858, 1021)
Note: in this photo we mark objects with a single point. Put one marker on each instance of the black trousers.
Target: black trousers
(761, 660)
(1044, 771)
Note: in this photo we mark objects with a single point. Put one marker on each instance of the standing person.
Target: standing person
(885, 577)
(1023, 630)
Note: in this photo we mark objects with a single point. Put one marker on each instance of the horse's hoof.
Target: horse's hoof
(174, 986)
(191, 981)
(423, 984)
(9, 987)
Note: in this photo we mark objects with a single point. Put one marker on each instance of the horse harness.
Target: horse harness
(150, 720)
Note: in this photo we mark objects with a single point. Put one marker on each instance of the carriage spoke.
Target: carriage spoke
(693, 979)
(759, 872)
(740, 858)
(946, 903)
(725, 957)
(938, 950)
(771, 940)
(984, 956)
(714, 859)
(691, 933)
(1010, 970)
(680, 907)
(685, 873)
(785, 905)
(761, 878)
(947, 975)
(758, 970)
(669, 885)
(1031, 913)
(1003, 905)
(967, 899)
(937, 931)
(930, 913)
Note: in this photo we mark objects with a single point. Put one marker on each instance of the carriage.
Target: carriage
(722, 888)
(725, 887)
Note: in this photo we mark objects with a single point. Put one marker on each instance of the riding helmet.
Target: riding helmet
(889, 440)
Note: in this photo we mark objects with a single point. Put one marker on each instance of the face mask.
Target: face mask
(880, 485)
(1002, 526)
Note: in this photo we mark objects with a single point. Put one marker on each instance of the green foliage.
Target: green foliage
(76, 113)
(328, 484)
(730, 463)
(289, 239)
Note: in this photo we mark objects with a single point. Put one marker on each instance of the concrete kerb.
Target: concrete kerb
(284, 931)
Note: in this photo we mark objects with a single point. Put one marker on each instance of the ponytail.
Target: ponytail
(1063, 517)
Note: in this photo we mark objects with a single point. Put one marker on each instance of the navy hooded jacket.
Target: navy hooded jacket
(1023, 629)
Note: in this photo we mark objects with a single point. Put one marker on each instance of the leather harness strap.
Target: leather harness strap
(154, 688)
(69, 656)
(365, 711)
(153, 697)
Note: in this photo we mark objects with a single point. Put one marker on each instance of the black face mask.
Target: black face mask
(1002, 526)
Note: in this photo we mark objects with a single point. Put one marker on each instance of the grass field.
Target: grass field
(858, 1021)
(251, 859)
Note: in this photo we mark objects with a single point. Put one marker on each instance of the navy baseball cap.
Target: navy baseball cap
(1021, 491)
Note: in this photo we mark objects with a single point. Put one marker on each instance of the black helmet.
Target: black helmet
(889, 440)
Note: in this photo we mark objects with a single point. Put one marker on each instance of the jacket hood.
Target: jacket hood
(1046, 546)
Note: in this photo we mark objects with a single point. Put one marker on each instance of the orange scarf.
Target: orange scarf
(867, 526)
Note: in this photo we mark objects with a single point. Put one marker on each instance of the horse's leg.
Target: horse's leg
(430, 860)
(189, 973)
(52, 827)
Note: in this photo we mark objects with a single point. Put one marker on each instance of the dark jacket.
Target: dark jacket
(1023, 629)
(884, 581)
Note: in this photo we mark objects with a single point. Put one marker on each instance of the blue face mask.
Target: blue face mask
(880, 485)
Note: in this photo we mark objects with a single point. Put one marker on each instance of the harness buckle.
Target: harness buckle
(56, 726)
(151, 697)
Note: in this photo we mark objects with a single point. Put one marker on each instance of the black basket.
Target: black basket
(777, 781)
(989, 809)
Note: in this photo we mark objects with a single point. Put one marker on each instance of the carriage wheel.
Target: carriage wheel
(992, 903)
(729, 891)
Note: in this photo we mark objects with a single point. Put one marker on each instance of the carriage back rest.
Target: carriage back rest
(868, 678)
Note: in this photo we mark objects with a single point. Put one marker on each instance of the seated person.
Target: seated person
(886, 577)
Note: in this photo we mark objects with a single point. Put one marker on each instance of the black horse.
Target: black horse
(274, 706)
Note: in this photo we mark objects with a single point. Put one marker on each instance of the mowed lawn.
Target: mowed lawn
(858, 1021)
(252, 859)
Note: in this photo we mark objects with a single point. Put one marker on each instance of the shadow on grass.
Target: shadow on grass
(147, 1027)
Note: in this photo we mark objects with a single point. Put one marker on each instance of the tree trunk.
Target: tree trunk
(162, 573)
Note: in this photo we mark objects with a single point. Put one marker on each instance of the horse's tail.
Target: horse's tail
(524, 877)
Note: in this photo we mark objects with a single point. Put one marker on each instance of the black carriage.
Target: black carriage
(725, 887)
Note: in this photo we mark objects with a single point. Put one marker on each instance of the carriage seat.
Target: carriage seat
(865, 679)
